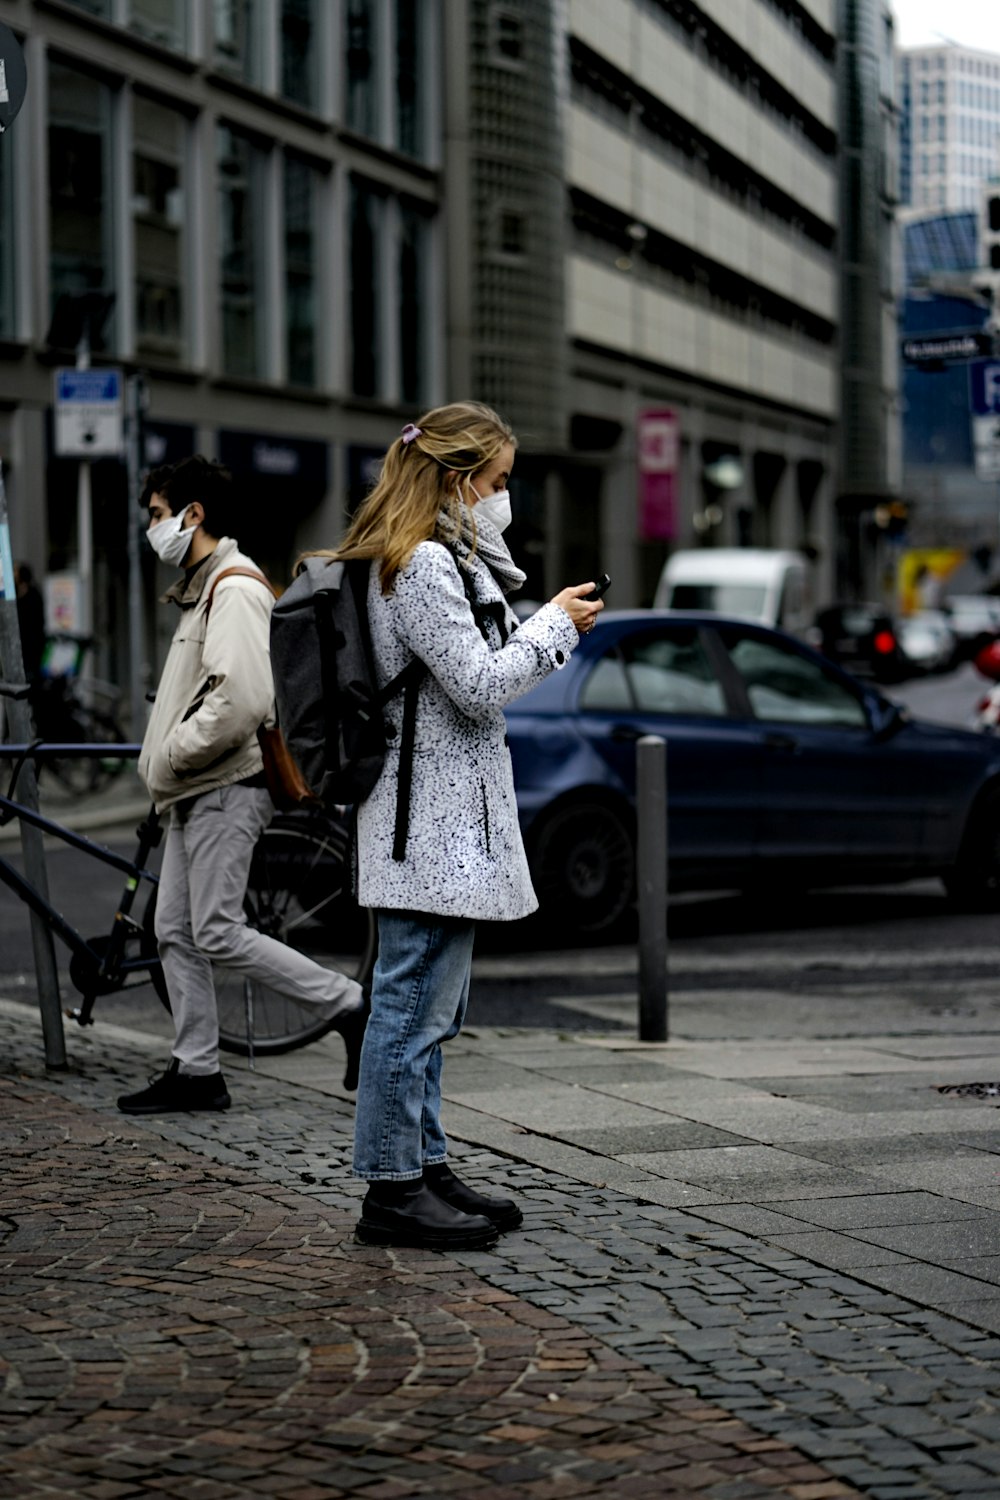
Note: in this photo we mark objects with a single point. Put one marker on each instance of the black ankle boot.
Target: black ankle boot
(174, 1092)
(408, 1213)
(503, 1212)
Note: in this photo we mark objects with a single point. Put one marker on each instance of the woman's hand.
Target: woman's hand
(582, 611)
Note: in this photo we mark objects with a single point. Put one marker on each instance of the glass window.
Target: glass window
(665, 673)
(301, 189)
(237, 38)
(158, 21)
(7, 328)
(507, 36)
(414, 300)
(670, 673)
(721, 598)
(786, 688)
(299, 51)
(158, 216)
(100, 8)
(362, 69)
(241, 253)
(79, 191)
(606, 690)
(366, 245)
(409, 66)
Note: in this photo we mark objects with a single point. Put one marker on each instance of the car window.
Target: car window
(722, 598)
(663, 673)
(786, 688)
(607, 689)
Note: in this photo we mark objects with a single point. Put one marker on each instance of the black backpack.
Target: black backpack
(330, 708)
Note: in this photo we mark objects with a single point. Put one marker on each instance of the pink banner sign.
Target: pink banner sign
(659, 475)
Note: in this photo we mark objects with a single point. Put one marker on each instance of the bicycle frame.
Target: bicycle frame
(102, 961)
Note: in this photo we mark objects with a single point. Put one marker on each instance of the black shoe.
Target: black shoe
(503, 1212)
(416, 1216)
(352, 1028)
(173, 1091)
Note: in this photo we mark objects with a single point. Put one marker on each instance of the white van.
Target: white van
(750, 583)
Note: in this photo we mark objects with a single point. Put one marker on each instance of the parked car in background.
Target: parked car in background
(752, 583)
(975, 620)
(784, 772)
(928, 640)
(863, 638)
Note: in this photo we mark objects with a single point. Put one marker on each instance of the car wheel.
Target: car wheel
(584, 867)
(974, 883)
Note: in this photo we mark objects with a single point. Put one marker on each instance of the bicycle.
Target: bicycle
(298, 892)
(70, 709)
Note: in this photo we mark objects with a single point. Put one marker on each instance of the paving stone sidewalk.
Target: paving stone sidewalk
(185, 1312)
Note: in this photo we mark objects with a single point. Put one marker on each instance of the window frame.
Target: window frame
(812, 658)
(736, 705)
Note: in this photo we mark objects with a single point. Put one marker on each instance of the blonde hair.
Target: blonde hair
(412, 488)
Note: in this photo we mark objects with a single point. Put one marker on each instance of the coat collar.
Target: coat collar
(186, 592)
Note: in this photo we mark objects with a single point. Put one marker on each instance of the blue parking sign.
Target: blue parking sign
(984, 387)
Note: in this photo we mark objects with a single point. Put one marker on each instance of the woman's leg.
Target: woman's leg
(435, 1142)
(419, 991)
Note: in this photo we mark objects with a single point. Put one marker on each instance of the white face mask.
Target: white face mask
(496, 508)
(170, 541)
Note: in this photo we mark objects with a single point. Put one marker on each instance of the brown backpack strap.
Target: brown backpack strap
(237, 573)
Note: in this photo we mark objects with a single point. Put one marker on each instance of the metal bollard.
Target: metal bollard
(651, 882)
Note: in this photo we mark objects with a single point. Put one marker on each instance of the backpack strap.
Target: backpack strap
(237, 573)
(406, 682)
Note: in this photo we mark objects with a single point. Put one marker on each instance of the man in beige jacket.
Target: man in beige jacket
(202, 765)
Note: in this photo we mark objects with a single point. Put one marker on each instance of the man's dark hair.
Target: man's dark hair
(195, 478)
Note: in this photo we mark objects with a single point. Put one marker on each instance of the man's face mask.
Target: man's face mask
(170, 540)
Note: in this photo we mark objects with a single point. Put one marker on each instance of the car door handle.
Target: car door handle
(786, 742)
(625, 732)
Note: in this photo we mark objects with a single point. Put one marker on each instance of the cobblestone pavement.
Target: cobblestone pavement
(185, 1313)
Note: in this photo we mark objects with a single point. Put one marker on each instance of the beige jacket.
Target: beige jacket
(216, 686)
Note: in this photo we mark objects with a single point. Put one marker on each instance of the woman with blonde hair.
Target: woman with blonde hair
(440, 572)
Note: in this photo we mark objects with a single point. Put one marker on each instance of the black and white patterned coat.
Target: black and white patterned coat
(464, 853)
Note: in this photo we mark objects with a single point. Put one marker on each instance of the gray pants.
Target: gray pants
(200, 921)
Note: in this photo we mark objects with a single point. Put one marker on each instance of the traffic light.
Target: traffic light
(991, 231)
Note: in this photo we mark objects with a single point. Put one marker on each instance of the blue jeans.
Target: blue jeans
(420, 991)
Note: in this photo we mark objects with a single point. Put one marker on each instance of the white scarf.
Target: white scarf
(483, 538)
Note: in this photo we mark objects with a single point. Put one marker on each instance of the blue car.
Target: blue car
(784, 772)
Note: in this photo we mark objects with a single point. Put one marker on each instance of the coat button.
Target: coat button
(390, 731)
(560, 657)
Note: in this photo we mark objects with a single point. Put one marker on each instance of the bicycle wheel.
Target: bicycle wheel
(74, 776)
(299, 893)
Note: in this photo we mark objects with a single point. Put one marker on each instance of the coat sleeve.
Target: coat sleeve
(434, 620)
(237, 665)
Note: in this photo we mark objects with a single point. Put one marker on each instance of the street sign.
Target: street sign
(944, 346)
(986, 446)
(659, 474)
(984, 405)
(13, 77)
(984, 387)
(88, 411)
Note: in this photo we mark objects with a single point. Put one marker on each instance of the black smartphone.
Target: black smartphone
(600, 588)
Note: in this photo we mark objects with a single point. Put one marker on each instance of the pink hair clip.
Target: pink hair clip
(410, 431)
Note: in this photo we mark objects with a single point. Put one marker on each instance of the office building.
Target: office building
(950, 126)
(695, 262)
(258, 184)
(616, 220)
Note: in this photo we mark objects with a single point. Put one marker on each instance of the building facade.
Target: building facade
(258, 184)
(950, 126)
(870, 456)
(698, 262)
(616, 220)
